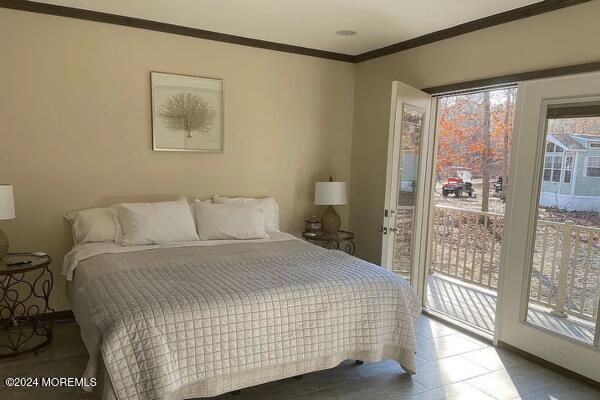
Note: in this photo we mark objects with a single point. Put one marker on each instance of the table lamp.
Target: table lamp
(7, 211)
(330, 194)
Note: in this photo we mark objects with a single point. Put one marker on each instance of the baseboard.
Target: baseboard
(61, 317)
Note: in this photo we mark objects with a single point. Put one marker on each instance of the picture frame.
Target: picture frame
(187, 113)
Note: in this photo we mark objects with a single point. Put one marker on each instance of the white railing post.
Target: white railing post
(563, 277)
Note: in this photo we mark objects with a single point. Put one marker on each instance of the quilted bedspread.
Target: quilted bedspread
(190, 322)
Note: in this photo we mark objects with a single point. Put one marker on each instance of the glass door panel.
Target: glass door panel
(564, 277)
(410, 147)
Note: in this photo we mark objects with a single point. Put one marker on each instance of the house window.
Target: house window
(553, 148)
(552, 168)
(556, 169)
(593, 166)
(547, 168)
(595, 145)
(568, 169)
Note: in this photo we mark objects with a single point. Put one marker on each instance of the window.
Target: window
(552, 168)
(553, 148)
(593, 166)
(556, 169)
(595, 145)
(547, 167)
(568, 169)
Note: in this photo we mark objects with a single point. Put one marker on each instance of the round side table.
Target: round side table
(24, 295)
(342, 240)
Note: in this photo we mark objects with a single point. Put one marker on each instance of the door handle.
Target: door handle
(383, 229)
(394, 230)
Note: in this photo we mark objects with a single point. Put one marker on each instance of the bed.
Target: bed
(202, 318)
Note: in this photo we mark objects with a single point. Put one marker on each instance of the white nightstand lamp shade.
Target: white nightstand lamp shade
(7, 211)
(7, 202)
(330, 194)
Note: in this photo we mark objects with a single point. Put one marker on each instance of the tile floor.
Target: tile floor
(451, 365)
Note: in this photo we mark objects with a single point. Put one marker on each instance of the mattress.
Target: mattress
(175, 322)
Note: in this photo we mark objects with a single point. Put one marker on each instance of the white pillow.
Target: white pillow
(154, 223)
(92, 225)
(221, 221)
(267, 204)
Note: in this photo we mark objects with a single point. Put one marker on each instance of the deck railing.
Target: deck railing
(566, 270)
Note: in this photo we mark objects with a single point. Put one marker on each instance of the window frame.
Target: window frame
(552, 169)
(568, 169)
(586, 167)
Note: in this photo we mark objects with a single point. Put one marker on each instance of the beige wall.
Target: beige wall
(75, 129)
(564, 37)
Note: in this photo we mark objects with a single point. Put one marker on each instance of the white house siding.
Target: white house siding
(587, 185)
(410, 167)
(566, 188)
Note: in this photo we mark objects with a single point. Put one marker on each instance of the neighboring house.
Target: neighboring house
(410, 168)
(571, 178)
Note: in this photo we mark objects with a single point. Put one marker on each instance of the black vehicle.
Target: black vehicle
(457, 186)
(498, 185)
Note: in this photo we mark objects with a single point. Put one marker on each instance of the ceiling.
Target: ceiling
(309, 23)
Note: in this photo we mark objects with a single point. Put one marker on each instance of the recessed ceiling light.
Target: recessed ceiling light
(346, 32)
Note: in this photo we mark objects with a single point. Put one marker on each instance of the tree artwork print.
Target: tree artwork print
(186, 113)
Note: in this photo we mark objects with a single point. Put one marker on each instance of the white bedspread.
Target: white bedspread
(194, 321)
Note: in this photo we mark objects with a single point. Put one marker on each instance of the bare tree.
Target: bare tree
(485, 191)
(187, 112)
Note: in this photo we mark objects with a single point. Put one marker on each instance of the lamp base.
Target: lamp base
(3, 245)
(330, 221)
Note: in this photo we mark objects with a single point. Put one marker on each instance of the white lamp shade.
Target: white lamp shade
(7, 203)
(330, 193)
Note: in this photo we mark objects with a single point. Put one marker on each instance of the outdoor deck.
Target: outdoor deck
(476, 306)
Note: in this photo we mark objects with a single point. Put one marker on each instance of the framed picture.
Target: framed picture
(187, 113)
